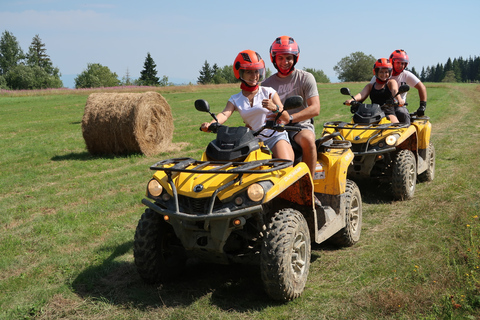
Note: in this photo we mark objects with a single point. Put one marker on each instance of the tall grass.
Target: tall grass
(68, 219)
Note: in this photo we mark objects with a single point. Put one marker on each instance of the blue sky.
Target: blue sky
(180, 35)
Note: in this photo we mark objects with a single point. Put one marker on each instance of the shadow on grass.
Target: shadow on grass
(229, 287)
(374, 191)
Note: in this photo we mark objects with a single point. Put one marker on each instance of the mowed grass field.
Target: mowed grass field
(67, 222)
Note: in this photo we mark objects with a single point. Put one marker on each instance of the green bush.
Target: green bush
(31, 77)
(96, 76)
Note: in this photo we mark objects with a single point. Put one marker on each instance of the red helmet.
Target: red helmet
(248, 60)
(382, 63)
(284, 45)
(399, 55)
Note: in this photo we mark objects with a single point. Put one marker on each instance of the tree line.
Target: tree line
(458, 70)
(358, 67)
(217, 75)
(35, 70)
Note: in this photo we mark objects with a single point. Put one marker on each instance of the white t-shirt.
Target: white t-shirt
(405, 77)
(255, 115)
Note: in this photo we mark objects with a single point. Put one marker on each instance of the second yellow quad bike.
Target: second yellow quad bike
(397, 153)
(237, 204)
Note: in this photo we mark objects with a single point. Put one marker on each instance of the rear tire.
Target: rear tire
(404, 175)
(158, 253)
(429, 174)
(285, 255)
(350, 234)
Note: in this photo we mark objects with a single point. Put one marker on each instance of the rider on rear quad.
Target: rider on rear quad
(399, 60)
(381, 91)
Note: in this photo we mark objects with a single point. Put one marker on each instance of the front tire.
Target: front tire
(350, 234)
(285, 255)
(158, 253)
(404, 175)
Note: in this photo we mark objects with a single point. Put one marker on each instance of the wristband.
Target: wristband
(276, 111)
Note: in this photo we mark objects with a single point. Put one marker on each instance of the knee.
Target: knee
(308, 145)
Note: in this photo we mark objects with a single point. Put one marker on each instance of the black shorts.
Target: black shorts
(388, 110)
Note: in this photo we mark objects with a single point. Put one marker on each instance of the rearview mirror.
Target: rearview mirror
(202, 105)
(345, 91)
(403, 88)
(293, 102)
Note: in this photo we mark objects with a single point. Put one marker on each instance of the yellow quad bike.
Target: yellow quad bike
(397, 153)
(237, 204)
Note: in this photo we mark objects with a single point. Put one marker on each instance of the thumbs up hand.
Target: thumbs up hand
(268, 104)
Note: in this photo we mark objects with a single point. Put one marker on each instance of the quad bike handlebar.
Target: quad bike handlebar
(390, 102)
(203, 106)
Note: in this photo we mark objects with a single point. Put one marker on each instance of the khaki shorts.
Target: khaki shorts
(305, 125)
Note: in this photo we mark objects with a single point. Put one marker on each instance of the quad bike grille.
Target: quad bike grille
(192, 205)
(196, 206)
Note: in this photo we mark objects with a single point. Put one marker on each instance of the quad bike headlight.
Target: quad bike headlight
(255, 192)
(391, 139)
(154, 188)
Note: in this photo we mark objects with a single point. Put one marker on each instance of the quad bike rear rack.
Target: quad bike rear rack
(339, 125)
(360, 126)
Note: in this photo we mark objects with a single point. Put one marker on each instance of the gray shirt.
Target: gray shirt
(299, 82)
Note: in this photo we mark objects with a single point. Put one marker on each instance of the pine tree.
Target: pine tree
(206, 74)
(438, 76)
(148, 76)
(126, 80)
(414, 72)
(37, 55)
(423, 76)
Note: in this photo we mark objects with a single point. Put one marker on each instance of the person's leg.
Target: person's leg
(393, 118)
(306, 139)
(402, 114)
(283, 150)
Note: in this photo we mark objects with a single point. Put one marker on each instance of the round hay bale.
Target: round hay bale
(122, 123)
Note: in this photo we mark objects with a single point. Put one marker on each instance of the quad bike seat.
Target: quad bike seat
(368, 113)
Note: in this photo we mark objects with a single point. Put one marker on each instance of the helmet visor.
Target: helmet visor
(287, 50)
(400, 59)
(252, 72)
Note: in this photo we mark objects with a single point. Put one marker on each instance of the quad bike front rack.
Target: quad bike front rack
(170, 166)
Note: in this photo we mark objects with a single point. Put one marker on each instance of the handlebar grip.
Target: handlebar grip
(292, 128)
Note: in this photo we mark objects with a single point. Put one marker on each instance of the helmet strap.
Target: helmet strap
(246, 87)
(381, 81)
(285, 74)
